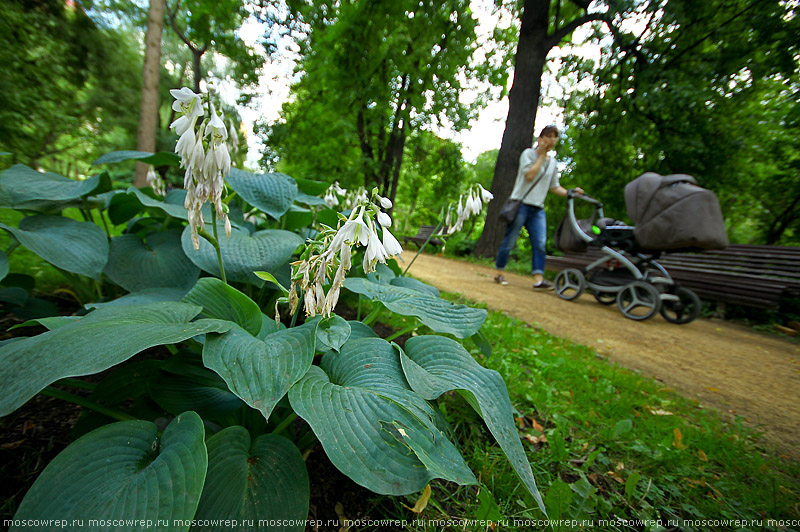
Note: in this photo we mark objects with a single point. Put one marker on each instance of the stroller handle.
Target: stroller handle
(585, 197)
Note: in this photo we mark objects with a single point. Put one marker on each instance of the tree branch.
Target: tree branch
(572, 25)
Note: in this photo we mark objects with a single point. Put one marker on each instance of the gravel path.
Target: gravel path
(726, 366)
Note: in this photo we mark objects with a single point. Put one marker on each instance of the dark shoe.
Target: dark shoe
(499, 279)
(543, 286)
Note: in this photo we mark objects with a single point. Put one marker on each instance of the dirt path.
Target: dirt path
(728, 367)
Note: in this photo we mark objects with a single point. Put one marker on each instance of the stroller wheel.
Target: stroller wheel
(638, 301)
(605, 298)
(570, 284)
(683, 309)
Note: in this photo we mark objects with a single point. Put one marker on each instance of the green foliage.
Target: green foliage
(709, 91)
(229, 382)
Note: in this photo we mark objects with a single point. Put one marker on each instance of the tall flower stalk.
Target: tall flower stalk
(327, 259)
(206, 163)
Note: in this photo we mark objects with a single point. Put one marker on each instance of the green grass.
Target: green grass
(617, 445)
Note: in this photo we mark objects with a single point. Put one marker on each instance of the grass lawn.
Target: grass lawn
(608, 447)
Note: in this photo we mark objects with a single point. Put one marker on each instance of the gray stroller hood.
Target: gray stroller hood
(672, 212)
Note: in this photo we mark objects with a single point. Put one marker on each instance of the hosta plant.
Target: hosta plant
(206, 429)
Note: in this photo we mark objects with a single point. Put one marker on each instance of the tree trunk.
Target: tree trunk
(148, 114)
(523, 100)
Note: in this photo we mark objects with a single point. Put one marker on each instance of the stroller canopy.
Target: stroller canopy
(672, 212)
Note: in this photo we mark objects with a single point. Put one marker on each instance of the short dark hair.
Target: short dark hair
(549, 129)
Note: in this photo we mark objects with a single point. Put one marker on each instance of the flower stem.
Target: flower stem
(436, 230)
(373, 316)
(285, 423)
(217, 246)
(401, 333)
(91, 405)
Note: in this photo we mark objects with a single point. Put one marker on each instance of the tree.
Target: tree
(373, 74)
(65, 80)
(708, 90)
(543, 25)
(148, 114)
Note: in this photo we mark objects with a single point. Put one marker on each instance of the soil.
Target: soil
(726, 366)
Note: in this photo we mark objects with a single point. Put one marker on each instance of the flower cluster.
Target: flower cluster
(469, 204)
(204, 157)
(332, 251)
(155, 182)
(333, 194)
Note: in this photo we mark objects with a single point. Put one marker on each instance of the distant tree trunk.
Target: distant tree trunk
(148, 115)
(523, 100)
(535, 41)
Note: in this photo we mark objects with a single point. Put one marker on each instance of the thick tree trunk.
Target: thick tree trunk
(148, 114)
(523, 100)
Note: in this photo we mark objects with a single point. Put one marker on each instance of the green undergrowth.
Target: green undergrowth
(608, 447)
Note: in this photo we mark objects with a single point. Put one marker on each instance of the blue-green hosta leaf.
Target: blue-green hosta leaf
(308, 199)
(224, 302)
(78, 247)
(161, 158)
(438, 314)
(175, 210)
(212, 400)
(25, 188)
(92, 344)
(242, 254)
(434, 365)
(414, 284)
(158, 262)
(261, 371)
(250, 481)
(123, 472)
(272, 193)
(372, 426)
(3, 265)
(332, 333)
(148, 295)
(359, 329)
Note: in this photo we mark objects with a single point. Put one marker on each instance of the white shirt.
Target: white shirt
(546, 179)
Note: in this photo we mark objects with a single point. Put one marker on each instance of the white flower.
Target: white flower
(374, 254)
(187, 102)
(390, 244)
(216, 126)
(186, 144)
(386, 203)
(485, 194)
(352, 231)
(330, 198)
(384, 219)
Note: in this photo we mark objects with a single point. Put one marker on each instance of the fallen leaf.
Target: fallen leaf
(592, 478)
(342, 519)
(712, 389)
(536, 426)
(620, 466)
(678, 442)
(521, 422)
(659, 412)
(422, 502)
(702, 455)
(28, 425)
(12, 445)
(615, 476)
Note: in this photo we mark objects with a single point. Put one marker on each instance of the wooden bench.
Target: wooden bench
(424, 232)
(754, 276)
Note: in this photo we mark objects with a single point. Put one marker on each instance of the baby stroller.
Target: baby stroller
(671, 213)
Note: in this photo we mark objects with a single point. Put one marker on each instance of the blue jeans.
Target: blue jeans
(534, 220)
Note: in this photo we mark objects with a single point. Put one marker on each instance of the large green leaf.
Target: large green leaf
(438, 314)
(434, 365)
(242, 254)
(261, 371)
(249, 482)
(78, 247)
(224, 302)
(149, 295)
(158, 262)
(123, 477)
(94, 343)
(184, 382)
(3, 265)
(372, 426)
(25, 188)
(173, 209)
(161, 158)
(271, 193)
